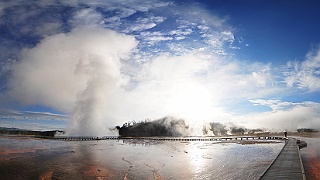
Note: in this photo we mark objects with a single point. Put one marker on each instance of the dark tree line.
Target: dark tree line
(166, 126)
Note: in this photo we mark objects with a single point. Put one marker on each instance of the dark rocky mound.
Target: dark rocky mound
(167, 126)
(301, 144)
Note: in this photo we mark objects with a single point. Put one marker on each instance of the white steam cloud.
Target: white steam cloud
(78, 72)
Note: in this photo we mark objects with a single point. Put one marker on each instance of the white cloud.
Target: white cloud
(227, 36)
(274, 104)
(142, 24)
(28, 115)
(122, 12)
(178, 38)
(142, 27)
(218, 40)
(87, 17)
(203, 27)
(181, 32)
(49, 28)
(30, 19)
(152, 38)
(305, 74)
(214, 29)
(300, 115)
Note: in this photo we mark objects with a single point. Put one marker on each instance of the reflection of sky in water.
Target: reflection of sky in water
(311, 156)
(31, 124)
(175, 160)
(228, 161)
(313, 147)
(144, 159)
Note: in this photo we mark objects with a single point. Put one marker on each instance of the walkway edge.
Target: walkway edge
(302, 168)
(265, 171)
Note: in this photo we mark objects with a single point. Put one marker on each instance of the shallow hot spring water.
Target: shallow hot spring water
(30, 158)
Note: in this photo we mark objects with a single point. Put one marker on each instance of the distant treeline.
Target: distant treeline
(301, 130)
(169, 126)
(15, 131)
(166, 126)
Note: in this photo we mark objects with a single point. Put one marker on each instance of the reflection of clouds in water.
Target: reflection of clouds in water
(311, 156)
(217, 160)
(140, 159)
(133, 159)
(313, 148)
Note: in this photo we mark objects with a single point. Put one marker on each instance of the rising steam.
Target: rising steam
(86, 72)
(78, 72)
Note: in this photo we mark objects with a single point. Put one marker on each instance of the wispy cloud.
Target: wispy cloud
(154, 37)
(87, 17)
(305, 74)
(274, 104)
(30, 115)
(142, 24)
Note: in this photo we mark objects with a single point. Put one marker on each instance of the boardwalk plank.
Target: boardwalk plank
(287, 165)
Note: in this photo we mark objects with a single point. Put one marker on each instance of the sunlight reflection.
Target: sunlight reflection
(198, 158)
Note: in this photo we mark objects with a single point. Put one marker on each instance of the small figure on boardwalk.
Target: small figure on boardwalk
(285, 133)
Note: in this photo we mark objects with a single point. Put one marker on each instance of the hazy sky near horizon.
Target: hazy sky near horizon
(254, 63)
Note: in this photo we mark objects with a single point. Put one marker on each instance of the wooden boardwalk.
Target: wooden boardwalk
(208, 138)
(287, 165)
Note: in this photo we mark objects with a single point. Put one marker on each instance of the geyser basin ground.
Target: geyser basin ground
(133, 159)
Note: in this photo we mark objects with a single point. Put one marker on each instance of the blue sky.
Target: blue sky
(254, 63)
(277, 31)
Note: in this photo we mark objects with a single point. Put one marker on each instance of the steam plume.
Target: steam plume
(78, 72)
